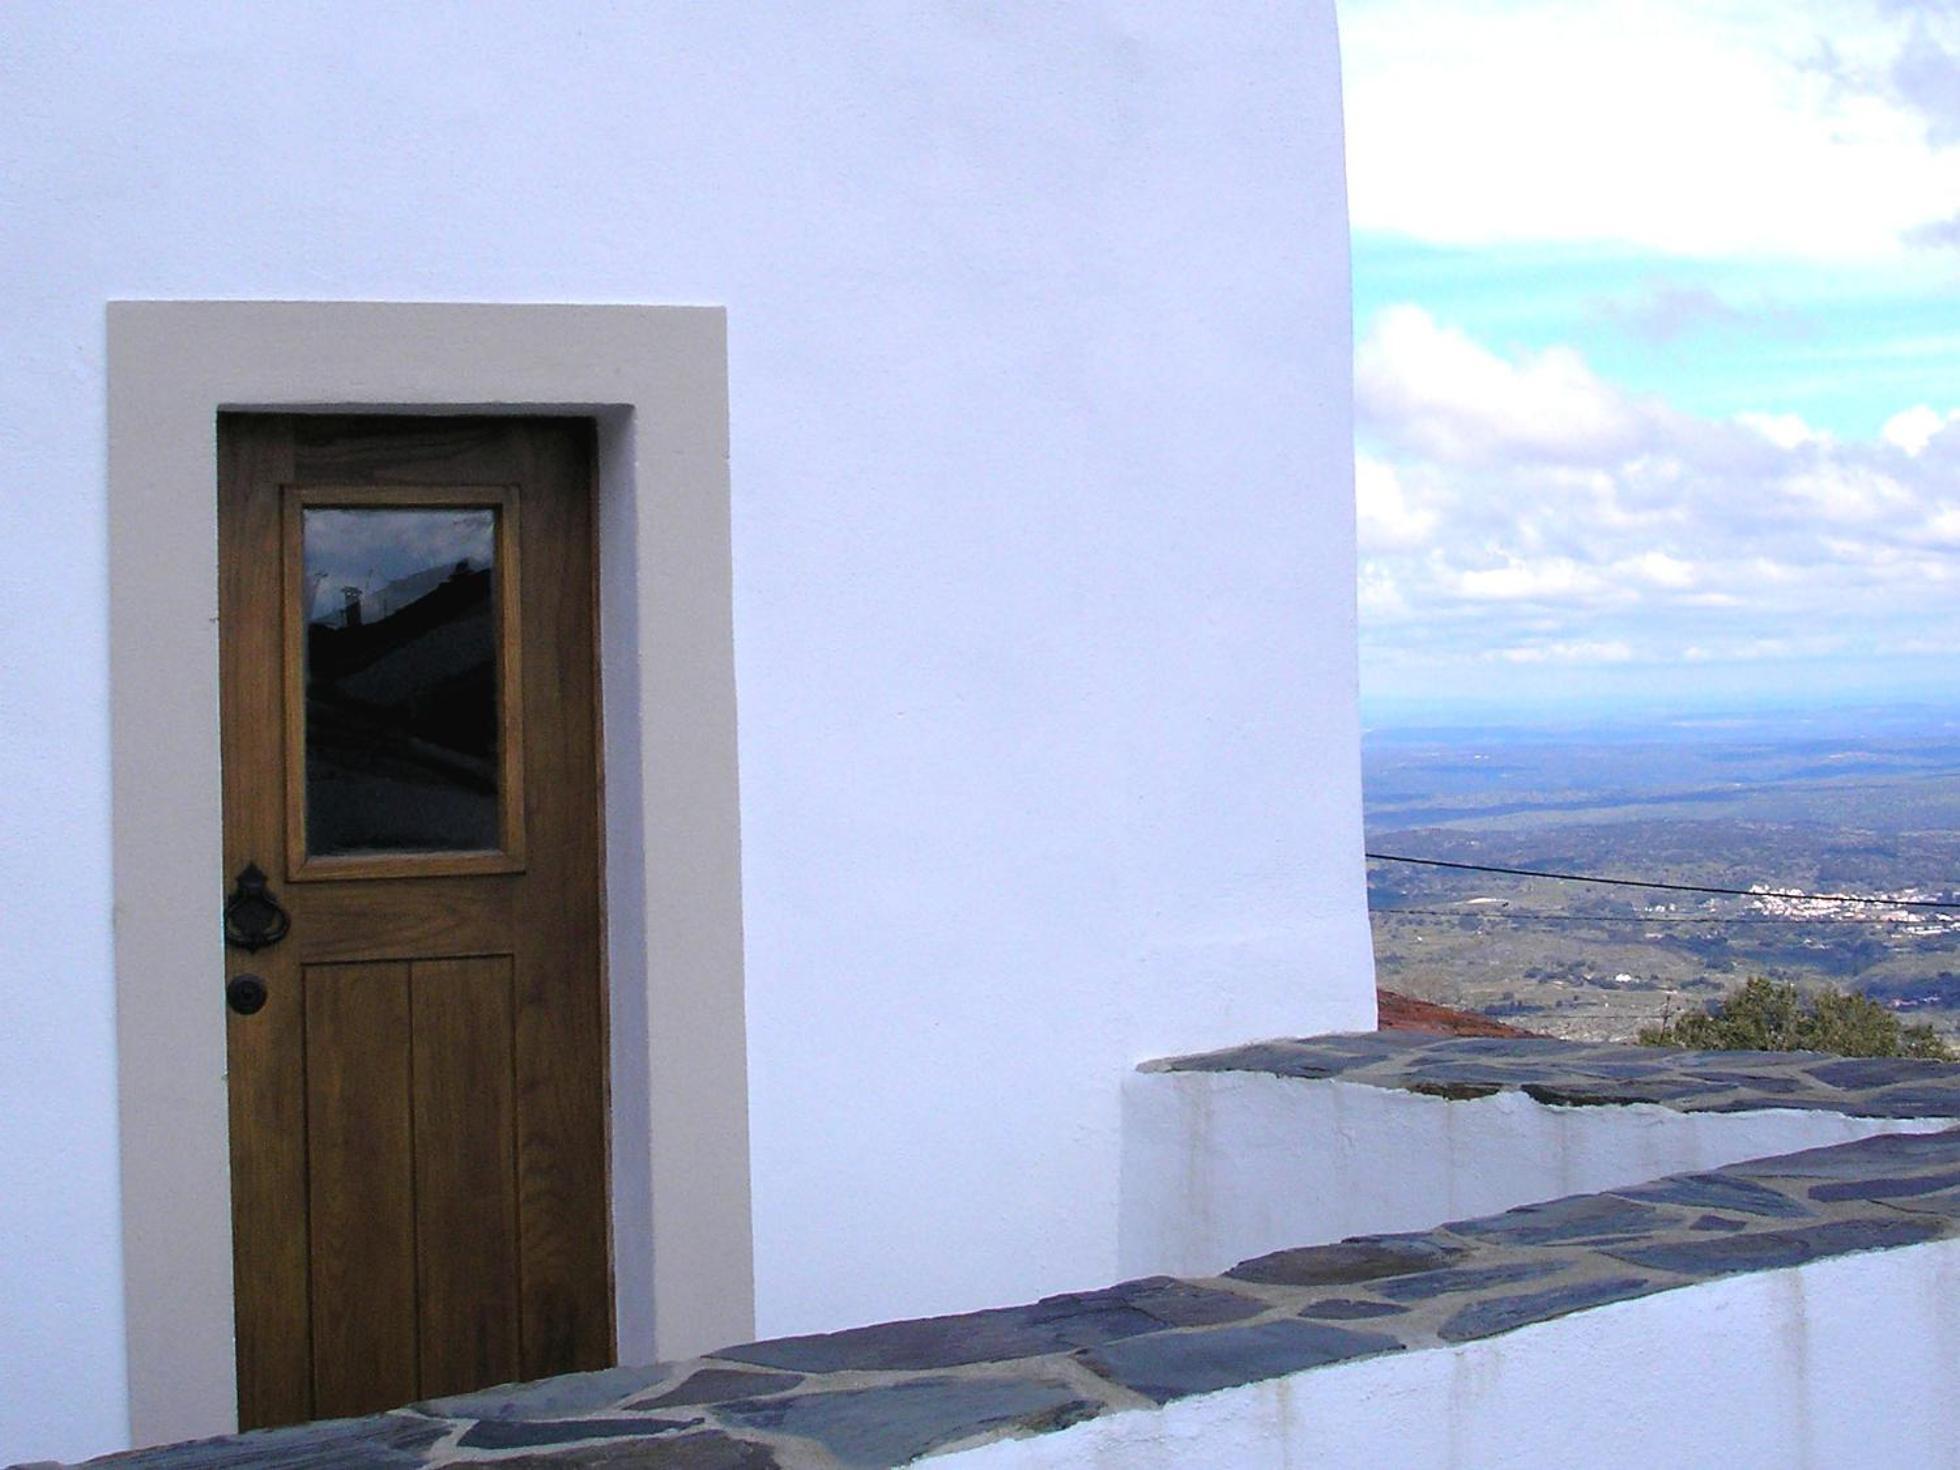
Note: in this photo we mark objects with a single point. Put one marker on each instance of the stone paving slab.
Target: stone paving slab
(1583, 1074)
(882, 1396)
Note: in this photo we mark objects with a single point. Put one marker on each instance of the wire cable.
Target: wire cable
(1879, 900)
(1526, 918)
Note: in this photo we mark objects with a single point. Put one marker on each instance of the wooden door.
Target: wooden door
(415, 1006)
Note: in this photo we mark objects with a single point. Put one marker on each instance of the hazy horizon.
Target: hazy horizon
(1925, 710)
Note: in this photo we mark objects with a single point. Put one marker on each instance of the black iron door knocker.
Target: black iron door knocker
(253, 917)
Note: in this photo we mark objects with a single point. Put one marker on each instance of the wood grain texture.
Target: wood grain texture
(504, 1248)
(561, 1118)
(465, 1173)
(361, 1182)
(397, 921)
(266, 1052)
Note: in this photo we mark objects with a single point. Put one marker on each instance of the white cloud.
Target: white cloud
(1658, 569)
(1846, 492)
(1556, 579)
(1616, 652)
(1765, 650)
(1380, 599)
(1925, 74)
(1916, 428)
(1466, 402)
(1388, 519)
(1943, 526)
(1777, 128)
(1784, 430)
(1521, 511)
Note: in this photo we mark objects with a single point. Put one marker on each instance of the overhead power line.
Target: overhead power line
(1864, 898)
(1518, 917)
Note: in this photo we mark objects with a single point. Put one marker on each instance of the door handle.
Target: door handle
(246, 994)
(253, 917)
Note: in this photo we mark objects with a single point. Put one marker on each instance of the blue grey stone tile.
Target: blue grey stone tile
(1640, 1063)
(1918, 1100)
(1719, 1192)
(717, 1385)
(1584, 1217)
(1351, 1048)
(1886, 1188)
(878, 1427)
(1773, 1249)
(1281, 1060)
(1887, 1153)
(1762, 1082)
(1466, 1278)
(1454, 1091)
(1946, 1202)
(1501, 1314)
(1363, 1259)
(378, 1442)
(1605, 1092)
(1003, 1334)
(705, 1450)
(1718, 1223)
(1350, 1309)
(570, 1393)
(1173, 1365)
(1538, 1050)
(521, 1434)
(1174, 1303)
(1791, 1061)
(1467, 1071)
(1859, 1074)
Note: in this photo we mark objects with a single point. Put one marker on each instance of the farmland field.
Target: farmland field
(1856, 801)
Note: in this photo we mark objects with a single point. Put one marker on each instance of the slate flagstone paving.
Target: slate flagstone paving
(884, 1395)
(1585, 1074)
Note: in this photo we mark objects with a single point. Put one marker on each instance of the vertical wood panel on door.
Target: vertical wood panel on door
(465, 1058)
(360, 1185)
(410, 747)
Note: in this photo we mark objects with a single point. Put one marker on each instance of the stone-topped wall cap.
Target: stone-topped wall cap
(881, 1396)
(1587, 1074)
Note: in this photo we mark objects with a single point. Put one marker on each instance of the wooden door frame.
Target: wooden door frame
(655, 381)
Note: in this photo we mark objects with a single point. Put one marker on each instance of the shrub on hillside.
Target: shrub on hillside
(1762, 1015)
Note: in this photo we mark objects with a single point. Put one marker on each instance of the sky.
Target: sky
(1657, 313)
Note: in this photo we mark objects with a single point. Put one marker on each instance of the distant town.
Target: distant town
(1846, 802)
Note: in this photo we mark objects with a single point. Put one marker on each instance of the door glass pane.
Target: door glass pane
(401, 680)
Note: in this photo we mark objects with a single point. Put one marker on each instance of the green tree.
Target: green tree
(1762, 1015)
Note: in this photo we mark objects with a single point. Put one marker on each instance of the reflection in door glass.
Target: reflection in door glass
(401, 680)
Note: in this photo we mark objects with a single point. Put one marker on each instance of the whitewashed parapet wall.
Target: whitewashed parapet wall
(1794, 1310)
(1291, 1143)
(1039, 331)
(1842, 1361)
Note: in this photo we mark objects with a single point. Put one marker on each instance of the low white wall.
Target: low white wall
(1848, 1362)
(1221, 1166)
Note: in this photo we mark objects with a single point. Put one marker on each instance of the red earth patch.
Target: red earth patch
(1406, 1013)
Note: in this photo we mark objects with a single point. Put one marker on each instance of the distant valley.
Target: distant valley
(1848, 801)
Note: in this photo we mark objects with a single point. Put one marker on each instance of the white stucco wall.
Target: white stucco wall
(1043, 555)
(1222, 1166)
(1849, 1362)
